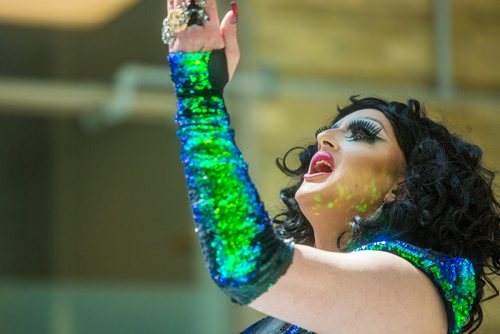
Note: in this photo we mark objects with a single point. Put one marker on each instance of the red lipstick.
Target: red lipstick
(321, 164)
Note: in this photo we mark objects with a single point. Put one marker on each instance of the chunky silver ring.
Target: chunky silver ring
(185, 14)
(198, 14)
(176, 21)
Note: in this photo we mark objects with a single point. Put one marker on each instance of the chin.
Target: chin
(309, 192)
(307, 199)
(303, 196)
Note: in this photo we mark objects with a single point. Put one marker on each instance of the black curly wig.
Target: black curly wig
(446, 201)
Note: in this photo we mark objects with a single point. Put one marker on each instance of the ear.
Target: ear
(397, 192)
(391, 195)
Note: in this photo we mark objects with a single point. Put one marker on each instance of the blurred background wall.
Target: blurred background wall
(96, 233)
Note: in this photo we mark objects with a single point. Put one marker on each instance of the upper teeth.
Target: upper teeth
(324, 162)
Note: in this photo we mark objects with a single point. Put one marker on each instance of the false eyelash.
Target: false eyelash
(372, 129)
(321, 129)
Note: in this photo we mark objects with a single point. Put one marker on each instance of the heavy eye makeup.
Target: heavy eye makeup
(321, 129)
(360, 129)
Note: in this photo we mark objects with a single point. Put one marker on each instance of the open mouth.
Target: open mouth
(321, 164)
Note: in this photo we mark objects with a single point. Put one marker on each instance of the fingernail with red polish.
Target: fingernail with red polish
(234, 8)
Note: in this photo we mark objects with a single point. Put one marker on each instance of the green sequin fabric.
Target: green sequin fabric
(242, 253)
(453, 276)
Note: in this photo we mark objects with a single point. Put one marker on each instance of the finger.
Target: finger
(170, 5)
(211, 10)
(229, 34)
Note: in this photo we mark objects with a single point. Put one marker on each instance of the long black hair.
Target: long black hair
(445, 203)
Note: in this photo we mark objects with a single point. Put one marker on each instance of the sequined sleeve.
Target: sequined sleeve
(242, 253)
(453, 276)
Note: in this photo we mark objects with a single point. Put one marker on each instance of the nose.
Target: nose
(326, 139)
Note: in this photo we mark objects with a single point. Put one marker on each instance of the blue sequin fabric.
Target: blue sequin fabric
(270, 325)
(242, 253)
(453, 276)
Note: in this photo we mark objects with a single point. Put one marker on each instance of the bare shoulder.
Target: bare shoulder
(361, 292)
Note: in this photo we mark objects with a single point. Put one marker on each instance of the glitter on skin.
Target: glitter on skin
(341, 192)
(234, 229)
(370, 190)
(361, 207)
(453, 276)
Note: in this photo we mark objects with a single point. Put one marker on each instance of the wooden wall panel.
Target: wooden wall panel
(476, 42)
(365, 40)
(383, 41)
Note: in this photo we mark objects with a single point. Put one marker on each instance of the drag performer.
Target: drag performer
(391, 226)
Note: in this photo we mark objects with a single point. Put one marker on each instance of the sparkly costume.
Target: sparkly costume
(453, 277)
(242, 253)
(244, 256)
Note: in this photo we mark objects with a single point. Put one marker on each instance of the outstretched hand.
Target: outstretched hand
(212, 35)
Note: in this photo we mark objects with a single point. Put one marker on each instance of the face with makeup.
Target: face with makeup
(358, 164)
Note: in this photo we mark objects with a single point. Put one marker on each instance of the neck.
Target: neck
(326, 237)
(326, 245)
(328, 228)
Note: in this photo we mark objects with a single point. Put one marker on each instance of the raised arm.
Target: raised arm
(242, 253)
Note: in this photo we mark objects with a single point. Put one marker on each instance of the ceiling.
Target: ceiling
(62, 13)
